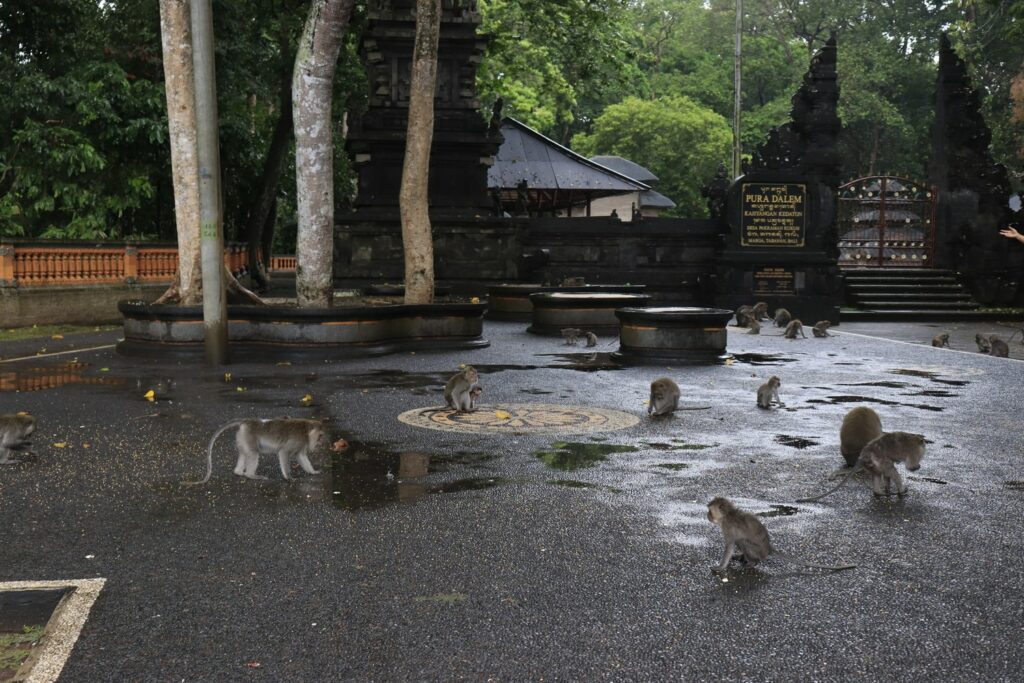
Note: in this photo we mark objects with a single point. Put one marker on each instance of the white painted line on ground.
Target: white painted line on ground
(58, 353)
(64, 626)
(920, 345)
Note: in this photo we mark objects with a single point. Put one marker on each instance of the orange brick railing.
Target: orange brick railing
(26, 264)
(279, 263)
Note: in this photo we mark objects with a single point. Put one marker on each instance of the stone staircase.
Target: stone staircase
(906, 293)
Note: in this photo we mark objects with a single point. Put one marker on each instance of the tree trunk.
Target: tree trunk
(413, 199)
(312, 84)
(176, 38)
(263, 213)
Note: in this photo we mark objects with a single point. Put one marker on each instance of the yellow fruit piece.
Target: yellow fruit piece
(227, 376)
(22, 413)
(239, 388)
(502, 415)
(57, 336)
(284, 362)
(475, 300)
(60, 444)
(104, 369)
(730, 361)
(149, 395)
(307, 399)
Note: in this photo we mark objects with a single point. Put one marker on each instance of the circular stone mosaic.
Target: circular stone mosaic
(521, 418)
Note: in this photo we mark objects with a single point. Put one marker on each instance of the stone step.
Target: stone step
(921, 305)
(915, 296)
(867, 315)
(908, 288)
(897, 272)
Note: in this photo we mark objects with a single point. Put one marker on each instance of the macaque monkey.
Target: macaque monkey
(474, 394)
(768, 392)
(940, 340)
(760, 311)
(457, 392)
(745, 532)
(879, 458)
(820, 328)
(744, 314)
(782, 317)
(860, 427)
(793, 328)
(999, 348)
(664, 397)
(14, 433)
(591, 339)
(753, 326)
(287, 437)
(984, 345)
(571, 335)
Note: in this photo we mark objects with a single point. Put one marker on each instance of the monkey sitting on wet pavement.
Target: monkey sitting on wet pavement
(879, 458)
(782, 317)
(458, 390)
(14, 433)
(287, 437)
(744, 532)
(768, 392)
(941, 340)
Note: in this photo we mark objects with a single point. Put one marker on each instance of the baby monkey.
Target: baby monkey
(879, 458)
(745, 532)
(14, 433)
(287, 437)
(474, 394)
(571, 335)
(782, 317)
(768, 392)
(820, 328)
(793, 328)
(997, 347)
(664, 397)
(753, 326)
(941, 340)
(458, 390)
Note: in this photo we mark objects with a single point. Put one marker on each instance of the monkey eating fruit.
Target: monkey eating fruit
(287, 437)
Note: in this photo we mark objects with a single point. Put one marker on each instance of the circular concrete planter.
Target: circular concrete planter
(672, 335)
(512, 302)
(286, 331)
(591, 312)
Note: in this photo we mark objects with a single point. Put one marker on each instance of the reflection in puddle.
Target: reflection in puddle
(572, 484)
(938, 393)
(779, 511)
(679, 445)
(761, 359)
(795, 441)
(41, 378)
(890, 385)
(585, 362)
(1015, 484)
(368, 477)
(929, 374)
(868, 399)
(673, 466)
(576, 456)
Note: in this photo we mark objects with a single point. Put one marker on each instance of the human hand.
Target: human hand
(1012, 234)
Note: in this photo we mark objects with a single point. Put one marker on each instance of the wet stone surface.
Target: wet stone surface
(424, 554)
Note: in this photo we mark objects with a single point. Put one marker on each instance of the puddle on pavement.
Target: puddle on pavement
(572, 484)
(761, 358)
(584, 362)
(1015, 484)
(368, 476)
(890, 385)
(53, 377)
(779, 511)
(930, 375)
(678, 445)
(673, 466)
(568, 456)
(867, 399)
(535, 392)
(795, 441)
(936, 393)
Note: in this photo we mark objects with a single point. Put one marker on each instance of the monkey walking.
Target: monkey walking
(14, 433)
(879, 458)
(571, 335)
(458, 390)
(820, 328)
(861, 426)
(768, 392)
(782, 317)
(941, 340)
(745, 532)
(287, 437)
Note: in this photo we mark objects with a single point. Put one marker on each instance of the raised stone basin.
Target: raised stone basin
(285, 331)
(512, 302)
(672, 335)
(591, 312)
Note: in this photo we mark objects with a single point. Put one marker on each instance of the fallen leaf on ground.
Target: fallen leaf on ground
(60, 444)
(86, 445)
(253, 665)
(239, 388)
(57, 336)
(730, 361)
(475, 300)
(339, 445)
(22, 413)
(104, 369)
(307, 399)
(149, 395)
(227, 376)
(502, 415)
(284, 362)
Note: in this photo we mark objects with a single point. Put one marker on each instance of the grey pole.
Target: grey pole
(211, 221)
(737, 71)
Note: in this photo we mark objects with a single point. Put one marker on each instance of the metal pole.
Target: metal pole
(211, 223)
(737, 71)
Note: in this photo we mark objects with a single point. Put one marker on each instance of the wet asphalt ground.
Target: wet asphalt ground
(585, 562)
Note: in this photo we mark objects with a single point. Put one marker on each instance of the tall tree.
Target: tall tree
(413, 197)
(312, 87)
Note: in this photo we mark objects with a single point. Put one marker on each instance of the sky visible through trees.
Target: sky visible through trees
(84, 152)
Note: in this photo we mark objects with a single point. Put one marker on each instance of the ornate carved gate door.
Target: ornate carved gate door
(885, 221)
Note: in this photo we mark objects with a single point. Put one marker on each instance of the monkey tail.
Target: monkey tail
(801, 563)
(832, 490)
(209, 453)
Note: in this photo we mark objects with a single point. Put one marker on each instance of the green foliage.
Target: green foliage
(679, 140)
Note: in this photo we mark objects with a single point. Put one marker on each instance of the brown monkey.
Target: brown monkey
(793, 328)
(940, 340)
(760, 311)
(753, 326)
(474, 394)
(287, 437)
(591, 339)
(743, 315)
(999, 348)
(768, 392)
(571, 335)
(14, 433)
(664, 397)
(782, 317)
(820, 328)
(879, 458)
(984, 345)
(860, 427)
(745, 532)
(457, 390)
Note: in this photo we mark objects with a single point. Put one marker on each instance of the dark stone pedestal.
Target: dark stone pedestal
(680, 336)
(512, 302)
(589, 312)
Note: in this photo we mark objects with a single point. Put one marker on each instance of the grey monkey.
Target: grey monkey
(457, 389)
(768, 392)
(793, 328)
(820, 328)
(14, 433)
(782, 317)
(287, 437)
(879, 458)
(664, 397)
(591, 339)
(941, 340)
(571, 335)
